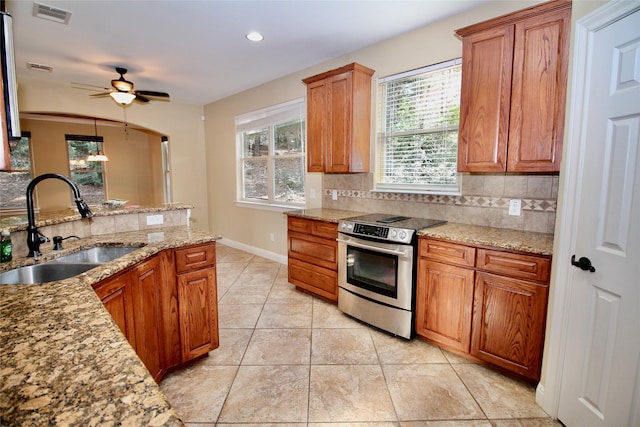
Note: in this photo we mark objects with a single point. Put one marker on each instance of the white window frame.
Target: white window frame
(259, 119)
(427, 188)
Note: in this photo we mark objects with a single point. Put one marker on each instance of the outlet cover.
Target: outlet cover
(155, 219)
(515, 206)
(334, 194)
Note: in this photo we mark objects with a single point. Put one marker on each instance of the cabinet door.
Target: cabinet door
(508, 323)
(316, 125)
(538, 93)
(485, 100)
(146, 279)
(444, 302)
(339, 95)
(198, 302)
(117, 296)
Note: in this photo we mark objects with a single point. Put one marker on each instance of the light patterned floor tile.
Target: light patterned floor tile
(395, 350)
(279, 347)
(198, 392)
(238, 315)
(327, 315)
(268, 394)
(342, 347)
(429, 392)
(285, 316)
(349, 393)
(499, 396)
(233, 343)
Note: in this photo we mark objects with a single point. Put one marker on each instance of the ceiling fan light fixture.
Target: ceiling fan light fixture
(123, 98)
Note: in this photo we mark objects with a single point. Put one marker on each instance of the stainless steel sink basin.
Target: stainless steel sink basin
(98, 254)
(42, 273)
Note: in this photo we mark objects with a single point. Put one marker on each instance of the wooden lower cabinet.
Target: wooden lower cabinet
(197, 300)
(146, 279)
(490, 304)
(313, 256)
(166, 308)
(445, 298)
(508, 323)
(117, 296)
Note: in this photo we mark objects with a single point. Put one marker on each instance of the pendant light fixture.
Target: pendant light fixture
(98, 155)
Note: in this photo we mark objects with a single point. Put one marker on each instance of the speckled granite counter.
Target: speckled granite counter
(330, 215)
(19, 222)
(62, 359)
(523, 241)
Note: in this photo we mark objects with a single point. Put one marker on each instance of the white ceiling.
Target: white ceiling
(196, 50)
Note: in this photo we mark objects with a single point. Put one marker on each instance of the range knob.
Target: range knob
(394, 233)
(402, 234)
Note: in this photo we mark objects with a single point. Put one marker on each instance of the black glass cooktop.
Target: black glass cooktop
(398, 221)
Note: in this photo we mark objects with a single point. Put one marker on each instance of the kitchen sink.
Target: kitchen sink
(65, 266)
(97, 254)
(46, 272)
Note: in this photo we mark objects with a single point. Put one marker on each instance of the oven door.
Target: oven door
(382, 272)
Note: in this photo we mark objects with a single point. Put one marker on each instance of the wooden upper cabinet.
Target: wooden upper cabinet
(514, 77)
(339, 120)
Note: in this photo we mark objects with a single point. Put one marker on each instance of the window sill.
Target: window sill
(433, 192)
(267, 207)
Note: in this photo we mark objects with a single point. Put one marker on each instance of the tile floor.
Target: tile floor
(288, 358)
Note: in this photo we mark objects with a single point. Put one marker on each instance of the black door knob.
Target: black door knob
(583, 263)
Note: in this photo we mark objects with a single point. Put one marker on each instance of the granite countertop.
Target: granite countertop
(20, 222)
(329, 215)
(63, 360)
(501, 238)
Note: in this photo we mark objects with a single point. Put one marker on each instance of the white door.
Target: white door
(600, 383)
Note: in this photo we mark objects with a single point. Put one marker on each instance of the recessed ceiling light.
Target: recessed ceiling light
(254, 36)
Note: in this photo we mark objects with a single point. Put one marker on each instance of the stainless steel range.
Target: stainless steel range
(377, 269)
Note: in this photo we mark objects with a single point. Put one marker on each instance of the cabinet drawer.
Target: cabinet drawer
(316, 250)
(325, 229)
(315, 227)
(195, 257)
(520, 266)
(321, 281)
(301, 225)
(450, 253)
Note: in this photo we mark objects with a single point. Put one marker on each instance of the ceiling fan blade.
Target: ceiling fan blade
(152, 93)
(141, 99)
(100, 95)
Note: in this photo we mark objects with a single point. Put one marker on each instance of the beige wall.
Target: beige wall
(428, 45)
(129, 174)
(180, 122)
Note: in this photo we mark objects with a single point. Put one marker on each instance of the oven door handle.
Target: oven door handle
(374, 248)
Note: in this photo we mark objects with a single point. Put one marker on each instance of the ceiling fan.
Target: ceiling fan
(124, 94)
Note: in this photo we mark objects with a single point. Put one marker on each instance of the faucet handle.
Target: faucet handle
(42, 237)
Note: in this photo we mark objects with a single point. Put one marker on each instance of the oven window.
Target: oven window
(374, 271)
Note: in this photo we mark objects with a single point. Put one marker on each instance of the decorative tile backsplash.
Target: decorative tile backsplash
(484, 200)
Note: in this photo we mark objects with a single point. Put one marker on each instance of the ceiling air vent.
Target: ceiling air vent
(39, 67)
(51, 13)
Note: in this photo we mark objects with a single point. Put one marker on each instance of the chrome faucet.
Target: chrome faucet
(34, 237)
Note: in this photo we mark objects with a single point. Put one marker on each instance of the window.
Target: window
(88, 175)
(271, 159)
(15, 180)
(418, 130)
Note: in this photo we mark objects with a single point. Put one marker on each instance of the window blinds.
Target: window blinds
(419, 114)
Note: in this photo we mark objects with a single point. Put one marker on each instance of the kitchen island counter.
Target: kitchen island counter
(321, 214)
(63, 360)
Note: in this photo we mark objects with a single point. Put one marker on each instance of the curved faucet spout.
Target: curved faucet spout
(34, 237)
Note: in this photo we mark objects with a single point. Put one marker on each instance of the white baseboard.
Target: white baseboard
(282, 259)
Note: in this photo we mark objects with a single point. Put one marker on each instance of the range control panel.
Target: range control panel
(382, 232)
